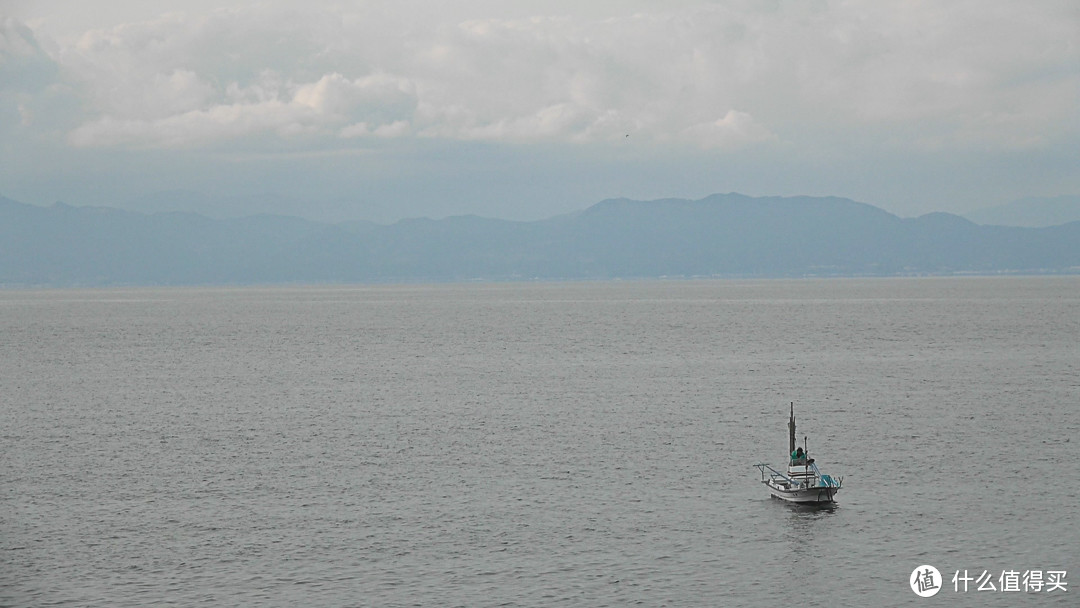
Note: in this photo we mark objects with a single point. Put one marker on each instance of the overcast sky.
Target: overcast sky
(525, 109)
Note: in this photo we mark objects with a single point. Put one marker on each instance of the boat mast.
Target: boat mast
(791, 430)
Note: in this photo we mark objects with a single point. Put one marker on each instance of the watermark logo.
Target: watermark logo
(925, 581)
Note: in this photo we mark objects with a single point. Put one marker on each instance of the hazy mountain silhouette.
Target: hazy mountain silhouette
(727, 235)
(1034, 212)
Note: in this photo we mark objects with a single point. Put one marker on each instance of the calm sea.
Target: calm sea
(582, 444)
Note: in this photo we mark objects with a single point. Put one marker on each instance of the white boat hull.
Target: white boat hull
(817, 495)
(803, 483)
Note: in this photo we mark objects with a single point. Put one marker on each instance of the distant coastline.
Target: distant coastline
(720, 236)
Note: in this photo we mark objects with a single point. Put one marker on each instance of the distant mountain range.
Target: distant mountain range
(724, 235)
(1033, 212)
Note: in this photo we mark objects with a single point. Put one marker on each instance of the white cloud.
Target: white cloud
(194, 127)
(398, 128)
(720, 75)
(315, 108)
(734, 130)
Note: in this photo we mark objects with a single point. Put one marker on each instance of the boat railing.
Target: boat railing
(773, 473)
(826, 480)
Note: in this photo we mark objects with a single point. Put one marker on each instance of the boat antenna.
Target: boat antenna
(791, 430)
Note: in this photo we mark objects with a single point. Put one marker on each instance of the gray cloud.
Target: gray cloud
(813, 86)
(24, 66)
(687, 74)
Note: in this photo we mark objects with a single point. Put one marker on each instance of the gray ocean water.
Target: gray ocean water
(582, 444)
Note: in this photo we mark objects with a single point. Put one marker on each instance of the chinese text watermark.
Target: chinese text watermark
(926, 581)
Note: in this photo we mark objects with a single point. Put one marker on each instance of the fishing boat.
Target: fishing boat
(803, 483)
